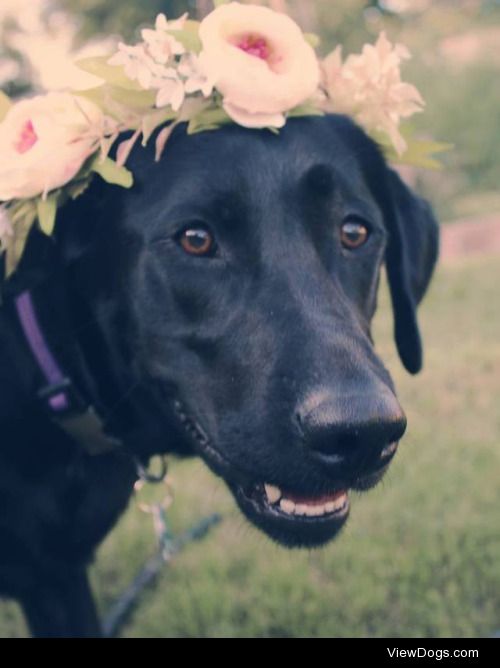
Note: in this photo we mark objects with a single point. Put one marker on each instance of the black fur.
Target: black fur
(259, 358)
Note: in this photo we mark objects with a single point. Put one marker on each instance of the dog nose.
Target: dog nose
(351, 429)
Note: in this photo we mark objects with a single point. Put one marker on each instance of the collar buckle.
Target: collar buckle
(62, 399)
(69, 410)
(59, 397)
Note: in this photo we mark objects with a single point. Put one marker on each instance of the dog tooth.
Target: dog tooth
(339, 503)
(273, 493)
(389, 450)
(315, 511)
(301, 509)
(287, 506)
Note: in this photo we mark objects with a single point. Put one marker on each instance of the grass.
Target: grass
(420, 556)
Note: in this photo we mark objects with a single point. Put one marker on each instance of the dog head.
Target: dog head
(237, 281)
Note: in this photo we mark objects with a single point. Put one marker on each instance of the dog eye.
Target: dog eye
(197, 241)
(354, 234)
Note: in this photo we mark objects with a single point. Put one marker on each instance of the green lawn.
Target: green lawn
(420, 556)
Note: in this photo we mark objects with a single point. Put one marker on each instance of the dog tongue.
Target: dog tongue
(316, 500)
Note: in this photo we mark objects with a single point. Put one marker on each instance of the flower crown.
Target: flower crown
(242, 64)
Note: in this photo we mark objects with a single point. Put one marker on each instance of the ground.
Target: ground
(469, 237)
(420, 556)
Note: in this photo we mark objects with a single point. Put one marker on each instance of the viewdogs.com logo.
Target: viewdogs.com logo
(437, 654)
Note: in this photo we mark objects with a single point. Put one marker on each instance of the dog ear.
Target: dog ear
(411, 256)
(413, 243)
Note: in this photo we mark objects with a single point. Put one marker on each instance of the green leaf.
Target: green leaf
(107, 95)
(113, 74)
(46, 212)
(312, 39)
(86, 169)
(202, 128)
(208, 119)
(136, 99)
(188, 36)
(23, 209)
(22, 215)
(421, 154)
(77, 188)
(153, 120)
(134, 108)
(112, 173)
(219, 3)
(5, 105)
(305, 110)
(15, 249)
(104, 98)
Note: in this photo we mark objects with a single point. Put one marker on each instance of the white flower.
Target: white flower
(161, 46)
(259, 61)
(368, 87)
(137, 63)
(170, 92)
(44, 142)
(162, 23)
(340, 89)
(6, 229)
(169, 87)
(191, 69)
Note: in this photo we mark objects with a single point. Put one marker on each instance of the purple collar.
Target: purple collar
(58, 394)
(58, 398)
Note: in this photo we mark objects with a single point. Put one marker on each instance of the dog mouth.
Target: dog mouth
(273, 500)
(300, 519)
(293, 518)
(290, 518)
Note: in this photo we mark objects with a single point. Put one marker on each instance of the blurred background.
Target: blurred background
(421, 554)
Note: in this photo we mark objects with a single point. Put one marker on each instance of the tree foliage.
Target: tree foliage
(120, 16)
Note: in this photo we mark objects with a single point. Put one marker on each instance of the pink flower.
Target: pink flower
(259, 61)
(44, 142)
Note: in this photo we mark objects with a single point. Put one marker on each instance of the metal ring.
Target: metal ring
(164, 504)
(152, 507)
(147, 476)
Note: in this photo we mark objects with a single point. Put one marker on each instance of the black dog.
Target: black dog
(221, 307)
